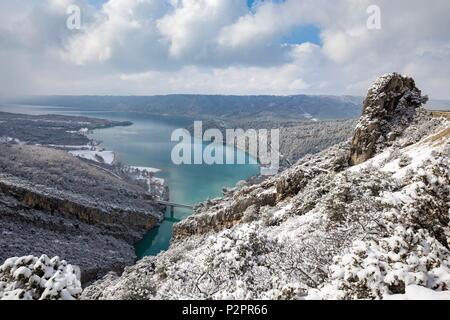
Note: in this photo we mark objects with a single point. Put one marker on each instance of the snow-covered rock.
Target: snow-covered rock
(388, 109)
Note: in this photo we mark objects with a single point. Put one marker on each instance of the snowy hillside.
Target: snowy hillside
(323, 229)
(365, 219)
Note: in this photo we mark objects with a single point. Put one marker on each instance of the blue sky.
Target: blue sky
(97, 3)
(250, 3)
(298, 34)
(303, 33)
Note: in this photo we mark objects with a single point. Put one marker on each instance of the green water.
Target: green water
(147, 143)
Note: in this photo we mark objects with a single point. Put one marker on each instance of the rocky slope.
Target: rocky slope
(53, 203)
(296, 139)
(323, 229)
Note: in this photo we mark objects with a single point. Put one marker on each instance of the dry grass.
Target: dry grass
(439, 138)
(439, 114)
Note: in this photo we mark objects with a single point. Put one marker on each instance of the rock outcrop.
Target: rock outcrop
(388, 109)
(216, 215)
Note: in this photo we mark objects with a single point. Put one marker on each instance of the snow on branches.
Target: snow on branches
(32, 278)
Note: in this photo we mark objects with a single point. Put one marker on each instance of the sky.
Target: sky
(282, 47)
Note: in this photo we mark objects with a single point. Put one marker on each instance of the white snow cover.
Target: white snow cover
(415, 155)
(414, 292)
(32, 278)
(6, 139)
(156, 186)
(81, 131)
(146, 169)
(95, 155)
(68, 146)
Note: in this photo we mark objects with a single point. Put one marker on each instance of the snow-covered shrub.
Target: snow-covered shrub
(404, 161)
(233, 254)
(377, 268)
(424, 200)
(238, 263)
(32, 278)
(413, 210)
(394, 154)
(355, 195)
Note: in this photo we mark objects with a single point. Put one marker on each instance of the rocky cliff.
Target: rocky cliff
(53, 203)
(388, 109)
(374, 227)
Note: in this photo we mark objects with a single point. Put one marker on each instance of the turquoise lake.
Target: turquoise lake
(148, 143)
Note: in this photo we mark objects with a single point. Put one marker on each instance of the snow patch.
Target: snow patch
(95, 155)
(6, 139)
(414, 292)
(146, 169)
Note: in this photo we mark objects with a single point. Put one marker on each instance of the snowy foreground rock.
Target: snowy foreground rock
(322, 229)
(32, 278)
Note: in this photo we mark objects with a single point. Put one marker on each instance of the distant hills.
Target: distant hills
(291, 107)
(296, 107)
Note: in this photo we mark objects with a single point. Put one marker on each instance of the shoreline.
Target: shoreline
(140, 173)
(87, 191)
(92, 151)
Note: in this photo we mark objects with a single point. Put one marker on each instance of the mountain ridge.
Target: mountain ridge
(297, 106)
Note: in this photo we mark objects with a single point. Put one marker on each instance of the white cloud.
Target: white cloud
(193, 25)
(220, 46)
(124, 32)
(271, 20)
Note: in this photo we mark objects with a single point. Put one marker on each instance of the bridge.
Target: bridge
(173, 205)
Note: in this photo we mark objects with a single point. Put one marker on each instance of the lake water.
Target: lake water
(147, 143)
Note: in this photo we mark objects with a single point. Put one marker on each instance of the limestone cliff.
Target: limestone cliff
(388, 109)
(53, 203)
